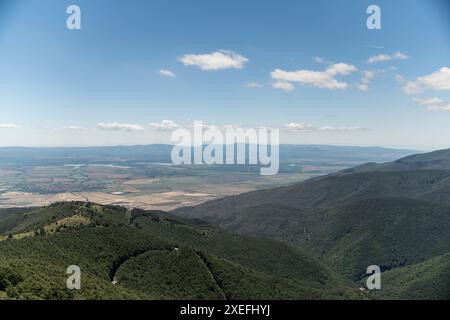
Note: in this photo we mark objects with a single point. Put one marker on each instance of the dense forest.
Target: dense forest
(136, 254)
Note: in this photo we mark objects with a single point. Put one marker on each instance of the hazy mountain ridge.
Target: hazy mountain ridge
(437, 160)
(162, 153)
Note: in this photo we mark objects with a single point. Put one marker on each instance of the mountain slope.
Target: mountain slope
(351, 219)
(426, 280)
(146, 255)
(437, 160)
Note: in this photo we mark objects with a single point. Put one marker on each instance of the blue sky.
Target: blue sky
(301, 66)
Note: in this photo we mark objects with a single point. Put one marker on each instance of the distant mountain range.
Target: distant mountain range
(161, 154)
(394, 215)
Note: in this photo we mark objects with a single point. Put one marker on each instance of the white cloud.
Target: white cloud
(167, 73)
(439, 80)
(253, 85)
(379, 58)
(320, 79)
(429, 102)
(341, 69)
(307, 127)
(409, 87)
(114, 126)
(8, 126)
(433, 104)
(165, 125)
(363, 87)
(300, 126)
(367, 76)
(399, 55)
(282, 85)
(74, 128)
(441, 108)
(219, 60)
(366, 79)
(387, 57)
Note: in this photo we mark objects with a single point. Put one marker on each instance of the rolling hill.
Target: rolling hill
(393, 215)
(426, 280)
(137, 254)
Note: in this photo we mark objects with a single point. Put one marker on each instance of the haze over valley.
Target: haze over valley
(144, 177)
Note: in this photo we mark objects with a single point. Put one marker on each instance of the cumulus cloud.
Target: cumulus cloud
(219, 60)
(307, 127)
(411, 87)
(439, 80)
(386, 57)
(433, 104)
(282, 85)
(408, 87)
(165, 125)
(367, 76)
(167, 73)
(300, 126)
(321, 79)
(8, 126)
(114, 126)
(366, 79)
(429, 102)
(253, 85)
(340, 69)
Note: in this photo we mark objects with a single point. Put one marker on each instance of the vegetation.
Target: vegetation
(426, 280)
(331, 229)
(392, 215)
(170, 274)
(148, 255)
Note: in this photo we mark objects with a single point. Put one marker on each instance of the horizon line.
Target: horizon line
(281, 144)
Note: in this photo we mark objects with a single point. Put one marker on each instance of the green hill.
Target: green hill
(147, 255)
(426, 280)
(351, 219)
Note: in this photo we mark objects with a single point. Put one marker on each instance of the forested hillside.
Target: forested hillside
(392, 215)
(140, 254)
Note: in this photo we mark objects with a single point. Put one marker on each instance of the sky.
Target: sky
(137, 70)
